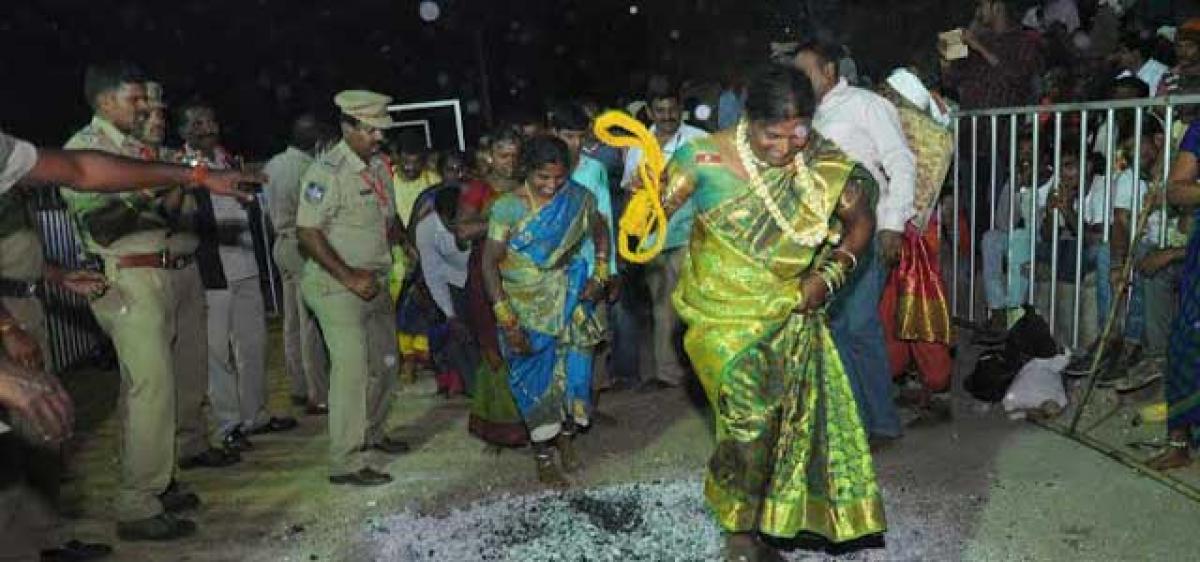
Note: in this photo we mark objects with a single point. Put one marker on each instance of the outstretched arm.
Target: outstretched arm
(90, 170)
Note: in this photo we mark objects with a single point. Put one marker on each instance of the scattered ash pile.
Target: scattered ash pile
(658, 521)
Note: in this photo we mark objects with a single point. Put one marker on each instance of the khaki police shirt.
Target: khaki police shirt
(102, 135)
(17, 158)
(282, 191)
(348, 201)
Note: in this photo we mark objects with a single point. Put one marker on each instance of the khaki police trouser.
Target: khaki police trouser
(137, 312)
(189, 352)
(661, 353)
(237, 362)
(363, 365)
(23, 252)
(303, 347)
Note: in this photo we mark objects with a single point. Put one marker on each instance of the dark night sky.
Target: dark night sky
(261, 60)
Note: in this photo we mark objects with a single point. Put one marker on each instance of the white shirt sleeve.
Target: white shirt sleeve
(895, 205)
(433, 266)
(632, 155)
(1123, 191)
(17, 158)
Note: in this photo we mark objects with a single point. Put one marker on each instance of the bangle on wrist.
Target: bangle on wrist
(853, 258)
(828, 287)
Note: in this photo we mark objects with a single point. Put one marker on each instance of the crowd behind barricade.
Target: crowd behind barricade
(495, 271)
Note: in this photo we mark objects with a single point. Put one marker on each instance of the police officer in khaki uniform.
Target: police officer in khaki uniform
(346, 223)
(191, 333)
(31, 394)
(304, 356)
(129, 236)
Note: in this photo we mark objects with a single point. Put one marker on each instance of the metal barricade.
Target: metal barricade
(981, 178)
(74, 334)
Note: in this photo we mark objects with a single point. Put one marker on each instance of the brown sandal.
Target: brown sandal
(1175, 456)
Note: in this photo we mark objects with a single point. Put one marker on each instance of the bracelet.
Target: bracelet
(505, 316)
(853, 259)
(199, 173)
(828, 287)
(833, 273)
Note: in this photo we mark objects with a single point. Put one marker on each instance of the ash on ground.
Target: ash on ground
(629, 522)
(665, 521)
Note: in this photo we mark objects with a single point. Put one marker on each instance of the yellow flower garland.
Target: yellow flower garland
(807, 183)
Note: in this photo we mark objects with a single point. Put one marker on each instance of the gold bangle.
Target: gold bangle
(833, 273)
(853, 259)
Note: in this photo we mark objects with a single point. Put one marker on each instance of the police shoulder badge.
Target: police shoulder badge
(314, 192)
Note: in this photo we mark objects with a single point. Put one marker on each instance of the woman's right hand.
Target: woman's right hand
(815, 293)
(362, 283)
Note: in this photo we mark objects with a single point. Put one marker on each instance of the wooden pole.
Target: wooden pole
(1187, 490)
(1118, 296)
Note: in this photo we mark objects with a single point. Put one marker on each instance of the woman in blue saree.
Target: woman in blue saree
(536, 276)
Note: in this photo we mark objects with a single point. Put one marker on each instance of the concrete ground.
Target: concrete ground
(980, 488)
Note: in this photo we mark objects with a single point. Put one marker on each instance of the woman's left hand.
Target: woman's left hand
(594, 290)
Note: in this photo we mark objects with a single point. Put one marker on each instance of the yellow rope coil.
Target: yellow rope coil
(644, 217)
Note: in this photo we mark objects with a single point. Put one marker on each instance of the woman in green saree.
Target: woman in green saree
(782, 216)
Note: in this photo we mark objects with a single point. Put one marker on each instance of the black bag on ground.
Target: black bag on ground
(1030, 338)
(995, 370)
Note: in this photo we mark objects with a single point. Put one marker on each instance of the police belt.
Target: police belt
(18, 289)
(158, 260)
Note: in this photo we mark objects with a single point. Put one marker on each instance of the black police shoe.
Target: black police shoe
(364, 477)
(161, 527)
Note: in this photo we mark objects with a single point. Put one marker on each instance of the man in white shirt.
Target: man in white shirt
(867, 127)
(304, 356)
(1007, 288)
(1151, 301)
(444, 265)
(1050, 12)
(237, 324)
(662, 364)
(1136, 58)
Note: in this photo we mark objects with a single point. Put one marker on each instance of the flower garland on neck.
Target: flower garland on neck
(806, 183)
